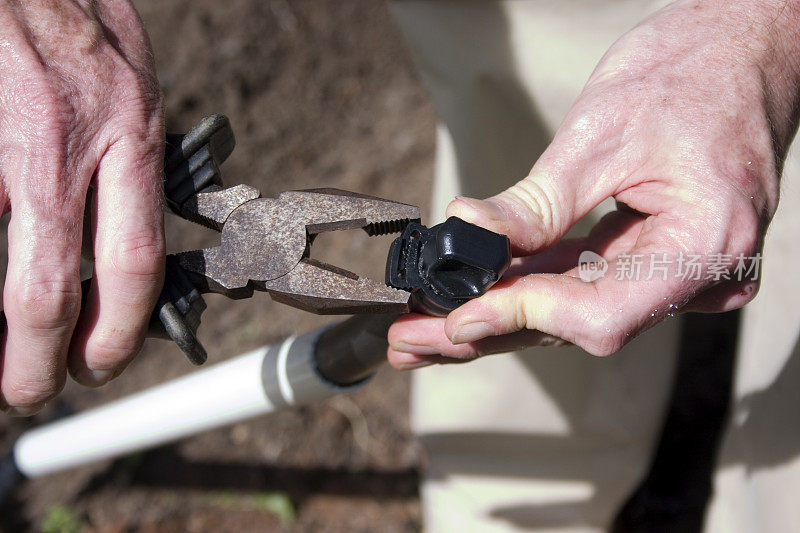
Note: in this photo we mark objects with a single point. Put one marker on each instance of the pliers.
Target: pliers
(265, 242)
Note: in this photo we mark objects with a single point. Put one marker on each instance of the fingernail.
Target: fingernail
(416, 349)
(94, 378)
(472, 331)
(28, 410)
(487, 207)
(414, 365)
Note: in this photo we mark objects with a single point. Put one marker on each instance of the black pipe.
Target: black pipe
(352, 350)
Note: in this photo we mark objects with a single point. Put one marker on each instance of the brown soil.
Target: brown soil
(320, 94)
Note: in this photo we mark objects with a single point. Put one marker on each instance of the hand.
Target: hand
(79, 105)
(685, 122)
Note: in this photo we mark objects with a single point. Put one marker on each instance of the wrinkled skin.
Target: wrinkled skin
(685, 122)
(80, 108)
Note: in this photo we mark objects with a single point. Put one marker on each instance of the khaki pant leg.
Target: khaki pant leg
(758, 476)
(546, 438)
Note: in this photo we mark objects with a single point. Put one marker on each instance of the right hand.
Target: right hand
(79, 105)
(685, 121)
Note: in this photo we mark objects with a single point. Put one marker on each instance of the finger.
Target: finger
(600, 316)
(129, 260)
(569, 180)
(418, 340)
(411, 361)
(422, 335)
(42, 295)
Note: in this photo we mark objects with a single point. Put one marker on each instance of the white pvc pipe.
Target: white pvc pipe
(251, 384)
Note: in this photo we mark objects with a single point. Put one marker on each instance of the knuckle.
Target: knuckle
(745, 293)
(745, 236)
(53, 143)
(44, 119)
(530, 312)
(393, 336)
(542, 204)
(48, 303)
(745, 246)
(30, 393)
(602, 336)
(42, 100)
(139, 96)
(112, 350)
(741, 229)
(140, 256)
(601, 344)
(751, 289)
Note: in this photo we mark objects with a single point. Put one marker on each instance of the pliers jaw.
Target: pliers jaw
(266, 242)
(321, 288)
(327, 290)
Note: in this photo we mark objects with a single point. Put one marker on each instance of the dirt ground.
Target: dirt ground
(320, 94)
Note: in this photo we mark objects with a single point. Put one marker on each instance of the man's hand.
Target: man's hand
(79, 105)
(685, 122)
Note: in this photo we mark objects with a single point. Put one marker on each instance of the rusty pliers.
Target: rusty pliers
(266, 245)
(265, 242)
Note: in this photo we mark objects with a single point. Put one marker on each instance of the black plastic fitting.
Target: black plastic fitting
(446, 265)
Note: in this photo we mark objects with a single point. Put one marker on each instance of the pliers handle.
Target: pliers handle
(191, 165)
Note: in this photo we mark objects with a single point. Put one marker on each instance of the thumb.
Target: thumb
(535, 212)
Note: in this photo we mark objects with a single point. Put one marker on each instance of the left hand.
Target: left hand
(80, 106)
